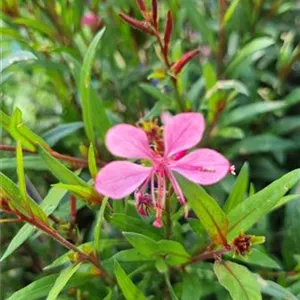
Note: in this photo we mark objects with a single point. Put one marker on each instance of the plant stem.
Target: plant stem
(74, 161)
(208, 255)
(222, 38)
(179, 100)
(82, 255)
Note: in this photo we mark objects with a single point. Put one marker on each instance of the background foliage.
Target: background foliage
(64, 83)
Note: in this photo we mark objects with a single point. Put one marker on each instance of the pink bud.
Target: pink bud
(90, 19)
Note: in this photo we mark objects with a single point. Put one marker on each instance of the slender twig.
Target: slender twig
(208, 255)
(168, 66)
(74, 161)
(222, 38)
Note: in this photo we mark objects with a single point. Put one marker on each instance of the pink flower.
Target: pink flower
(119, 179)
(90, 19)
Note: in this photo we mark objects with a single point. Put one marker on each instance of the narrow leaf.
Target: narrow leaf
(239, 189)
(129, 289)
(92, 161)
(62, 280)
(48, 205)
(98, 226)
(248, 212)
(207, 210)
(20, 171)
(85, 80)
(62, 173)
(238, 280)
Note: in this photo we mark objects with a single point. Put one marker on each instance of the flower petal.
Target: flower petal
(119, 179)
(128, 141)
(204, 166)
(182, 132)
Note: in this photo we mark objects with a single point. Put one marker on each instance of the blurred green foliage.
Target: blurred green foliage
(64, 83)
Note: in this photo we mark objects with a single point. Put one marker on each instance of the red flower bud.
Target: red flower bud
(154, 13)
(140, 25)
(142, 6)
(168, 32)
(185, 59)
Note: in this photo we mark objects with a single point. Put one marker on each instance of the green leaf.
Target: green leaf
(174, 252)
(248, 212)
(207, 210)
(249, 49)
(250, 111)
(258, 258)
(98, 226)
(230, 11)
(156, 93)
(199, 21)
(28, 207)
(260, 144)
(62, 280)
(85, 91)
(132, 255)
(142, 243)
(61, 131)
(131, 224)
(14, 58)
(286, 125)
(16, 128)
(35, 25)
(20, 171)
(286, 199)
(30, 163)
(48, 205)
(85, 193)
(191, 287)
(275, 290)
(129, 289)
(239, 189)
(92, 161)
(237, 279)
(231, 133)
(59, 170)
(35, 290)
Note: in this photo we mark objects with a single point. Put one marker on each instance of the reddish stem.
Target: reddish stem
(74, 161)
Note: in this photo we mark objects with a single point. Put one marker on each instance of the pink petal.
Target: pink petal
(128, 141)
(204, 166)
(182, 132)
(119, 179)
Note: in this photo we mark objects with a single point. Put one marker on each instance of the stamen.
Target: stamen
(232, 170)
(176, 188)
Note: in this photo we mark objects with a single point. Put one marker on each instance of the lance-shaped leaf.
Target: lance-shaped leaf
(129, 289)
(207, 210)
(62, 173)
(248, 212)
(10, 192)
(98, 226)
(86, 193)
(168, 32)
(16, 57)
(85, 90)
(92, 161)
(142, 6)
(184, 60)
(239, 189)
(140, 25)
(15, 127)
(238, 280)
(154, 13)
(48, 205)
(62, 280)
